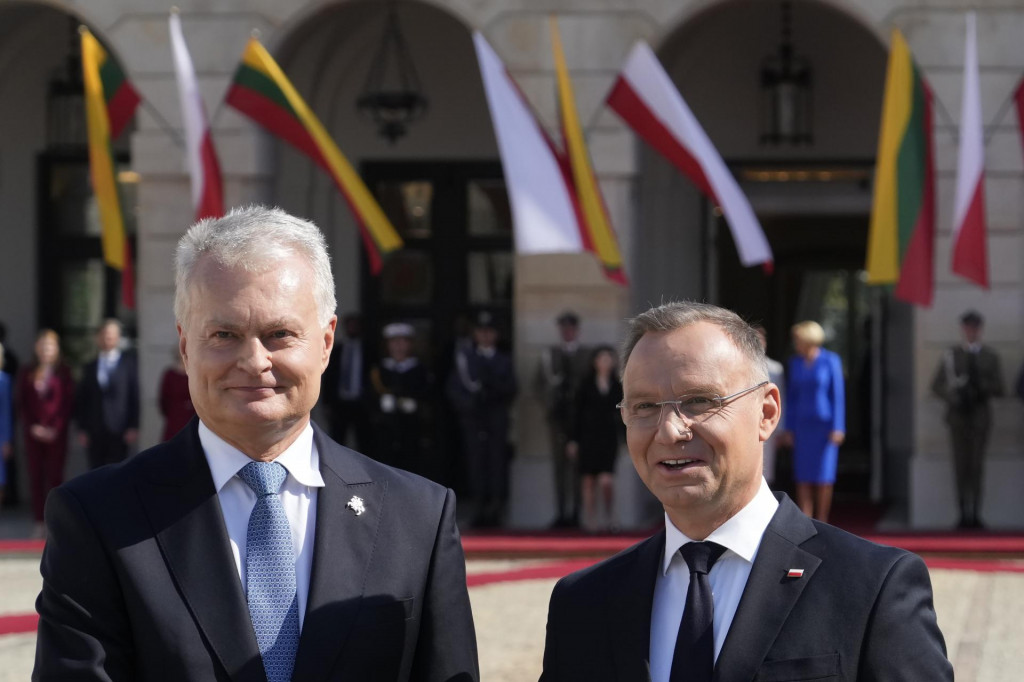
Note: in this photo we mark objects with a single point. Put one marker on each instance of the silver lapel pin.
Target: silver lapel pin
(356, 505)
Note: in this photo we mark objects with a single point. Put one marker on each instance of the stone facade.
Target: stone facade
(712, 48)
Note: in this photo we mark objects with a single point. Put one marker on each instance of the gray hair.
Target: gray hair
(678, 314)
(253, 239)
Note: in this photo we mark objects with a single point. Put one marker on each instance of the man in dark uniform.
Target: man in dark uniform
(401, 385)
(481, 389)
(967, 377)
(561, 368)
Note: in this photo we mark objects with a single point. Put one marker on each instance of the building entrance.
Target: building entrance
(457, 262)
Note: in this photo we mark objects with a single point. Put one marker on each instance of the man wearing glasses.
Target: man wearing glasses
(740, 584)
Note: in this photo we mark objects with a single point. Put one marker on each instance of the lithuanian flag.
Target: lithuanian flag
(901, 242)
(262, 92)
(598, 235)
(110, 103)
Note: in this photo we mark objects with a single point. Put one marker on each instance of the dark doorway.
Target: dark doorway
(457, 260)
(817, 275)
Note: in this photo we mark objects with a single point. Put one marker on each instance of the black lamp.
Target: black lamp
(392, 98)
(786, 92)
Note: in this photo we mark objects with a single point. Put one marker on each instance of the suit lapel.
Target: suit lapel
(342, 555)
(182, 505)
(769, 595)
(630, 611)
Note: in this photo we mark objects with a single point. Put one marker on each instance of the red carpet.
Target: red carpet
(12, 625)
(554, 546)
(21, 546)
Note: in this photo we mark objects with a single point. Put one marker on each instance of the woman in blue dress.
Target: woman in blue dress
(815, 418)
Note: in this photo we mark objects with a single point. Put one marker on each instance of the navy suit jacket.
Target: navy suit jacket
(860, 611)
(115, 408)
(139, 582)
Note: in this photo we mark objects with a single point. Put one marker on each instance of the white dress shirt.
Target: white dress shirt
(105, 364)
(298, 495)
(741, 536)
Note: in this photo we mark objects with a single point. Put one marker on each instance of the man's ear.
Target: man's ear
(181, 346)
(771, 412)
(329, 332)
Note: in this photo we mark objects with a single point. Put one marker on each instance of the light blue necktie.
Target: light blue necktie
(270, 572)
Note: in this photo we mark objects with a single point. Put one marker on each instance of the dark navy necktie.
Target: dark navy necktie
(694, 658)
(270, 586)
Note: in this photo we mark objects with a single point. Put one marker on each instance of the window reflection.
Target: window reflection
(490, 277)
(408, 206)
(489, 211)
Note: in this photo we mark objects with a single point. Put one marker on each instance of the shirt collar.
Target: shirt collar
(741, 534)
(111, 355)
(301, 458)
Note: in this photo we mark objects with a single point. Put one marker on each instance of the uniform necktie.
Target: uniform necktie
(694, 658)
(270, 572)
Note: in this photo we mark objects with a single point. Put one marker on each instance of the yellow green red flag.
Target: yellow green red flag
(110, 103)
(261, 91)
(597, 232)
(901, 241)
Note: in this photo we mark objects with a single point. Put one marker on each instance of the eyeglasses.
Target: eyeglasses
(644, 414)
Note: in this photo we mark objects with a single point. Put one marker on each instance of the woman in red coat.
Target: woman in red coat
(45, 398)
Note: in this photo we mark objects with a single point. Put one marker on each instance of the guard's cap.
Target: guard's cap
(569, 317)
(484, 319)
(972, 318)
(397, 330)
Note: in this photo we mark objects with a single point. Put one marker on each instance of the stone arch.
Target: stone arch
(816, 229)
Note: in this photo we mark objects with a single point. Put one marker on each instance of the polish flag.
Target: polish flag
(207, 191)
(970, 258)
(544, 214)
(647, 100)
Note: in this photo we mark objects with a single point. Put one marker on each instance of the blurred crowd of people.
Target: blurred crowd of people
(450, 421)
(44, 399)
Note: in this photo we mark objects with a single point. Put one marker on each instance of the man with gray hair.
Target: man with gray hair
(251, 546)
(740, 585)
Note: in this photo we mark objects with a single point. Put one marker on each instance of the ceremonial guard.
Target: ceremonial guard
(561, 368)
(481, 389)
(401, 385)
(967, 377)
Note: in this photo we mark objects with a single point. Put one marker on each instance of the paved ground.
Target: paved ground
(979, 613)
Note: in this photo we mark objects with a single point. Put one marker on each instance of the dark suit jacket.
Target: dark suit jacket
(139, 582)
(860, 612)
(113, 409)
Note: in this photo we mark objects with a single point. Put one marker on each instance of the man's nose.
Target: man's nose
(254, 357)
(672, 423)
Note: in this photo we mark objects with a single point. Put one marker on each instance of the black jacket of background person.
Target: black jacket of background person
(113, 409)
(860, 611)
(139, 582)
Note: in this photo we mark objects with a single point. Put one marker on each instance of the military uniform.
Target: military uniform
(561, 369)
(481, 390)
(401, 388)
(967, 377)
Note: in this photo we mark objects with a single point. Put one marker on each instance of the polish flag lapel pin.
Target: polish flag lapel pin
(795, 573)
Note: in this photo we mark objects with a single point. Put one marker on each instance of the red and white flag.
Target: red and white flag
(647, 100)
(544, 213)
(207, 190)
(970, 257)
